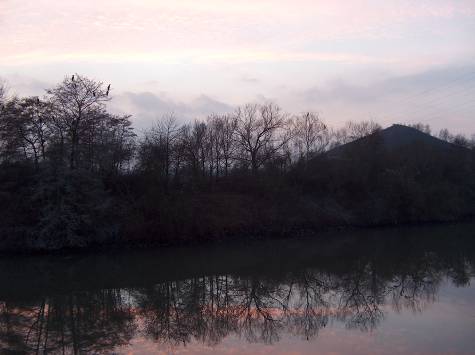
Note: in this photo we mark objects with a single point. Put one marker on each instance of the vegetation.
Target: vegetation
(74, 175)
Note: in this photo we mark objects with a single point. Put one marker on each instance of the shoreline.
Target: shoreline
(228, 240)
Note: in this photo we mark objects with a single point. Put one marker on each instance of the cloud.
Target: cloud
(146, 107)
(249, 79)
(205, 105)
(25, 86)
(208, 28)
(432, 82)
(441, 97)
(196, 56)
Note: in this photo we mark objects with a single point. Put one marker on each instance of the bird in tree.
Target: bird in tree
(80, 102)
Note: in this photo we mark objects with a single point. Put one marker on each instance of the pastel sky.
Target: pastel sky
(390, 61)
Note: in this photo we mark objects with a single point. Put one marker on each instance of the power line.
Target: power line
(460, 108)
(452, 111)
(435, 102)
(447, 84)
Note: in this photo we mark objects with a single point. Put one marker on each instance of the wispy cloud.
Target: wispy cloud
(422, 84)
(234, 51)
(441, 97)
(147, 107)
(43, 30)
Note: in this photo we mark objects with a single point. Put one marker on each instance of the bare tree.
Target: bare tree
(424, 128)
(310, 135)
(222, 128)
(339, 137)
(352, 131)
(195, 147)
(111, 143)
(155, 148)
(79, 99)
(166, 134)
(11, 144)
(362, 129)
(35, 126)
(458, 139)
(2, 115)
(445, 135)
(461, 141)
(3, 93)
(24, 126)
(260, 133)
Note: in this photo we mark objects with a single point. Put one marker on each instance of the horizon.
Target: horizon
(246, 177)
(391, 63)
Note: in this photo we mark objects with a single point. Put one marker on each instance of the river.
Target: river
(381, 291)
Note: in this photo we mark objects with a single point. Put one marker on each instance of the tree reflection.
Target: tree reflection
(258, 307)
(86, 322)
(261, 309)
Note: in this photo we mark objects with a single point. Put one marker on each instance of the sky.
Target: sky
(390, 61)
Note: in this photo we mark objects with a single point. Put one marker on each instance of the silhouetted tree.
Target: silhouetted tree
(3, 92)
(223, 128)
(310, 135)
(159, 149)
(424, 128)
(358, 130)
(26, 127)
(461, 141)
(80, 101)
(445, 135)
(261, 132)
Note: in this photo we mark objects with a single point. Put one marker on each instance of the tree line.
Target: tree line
(66, 161)
(71, 126)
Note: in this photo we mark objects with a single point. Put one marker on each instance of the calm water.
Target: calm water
(388, 291)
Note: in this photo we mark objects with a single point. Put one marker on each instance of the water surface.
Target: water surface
(387, 291)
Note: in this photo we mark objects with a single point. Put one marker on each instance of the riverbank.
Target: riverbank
(324, 233)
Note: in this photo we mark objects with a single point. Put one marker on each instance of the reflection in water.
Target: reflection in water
(82, 322)
(257, 304)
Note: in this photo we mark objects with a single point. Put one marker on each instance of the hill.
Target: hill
(397, 137)
(393, 176)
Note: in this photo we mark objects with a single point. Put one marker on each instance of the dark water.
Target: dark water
(384, 291)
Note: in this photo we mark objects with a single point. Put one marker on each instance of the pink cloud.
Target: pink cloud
(30, 28)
